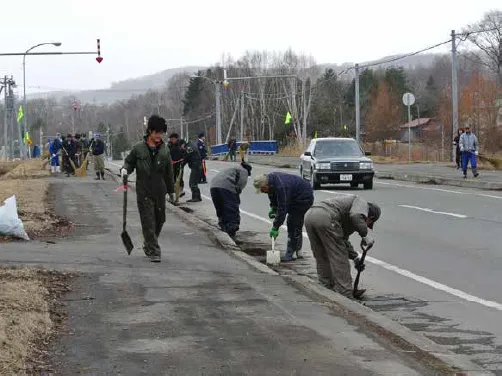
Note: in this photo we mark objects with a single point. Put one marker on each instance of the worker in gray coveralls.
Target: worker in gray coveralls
(329, 224)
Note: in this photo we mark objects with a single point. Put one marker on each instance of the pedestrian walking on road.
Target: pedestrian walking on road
(329, 224)
(458, 154)
(288, 195)
(69, 150)
(191, 157)
(468, 143)
(54, 148)
(98, 155)
(226, 187)
(201, 146)
(154, 180)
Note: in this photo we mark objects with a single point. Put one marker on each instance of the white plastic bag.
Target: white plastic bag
(10, 224)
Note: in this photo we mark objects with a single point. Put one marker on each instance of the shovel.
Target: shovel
(365, 250)
(273, 256)
(126, 239)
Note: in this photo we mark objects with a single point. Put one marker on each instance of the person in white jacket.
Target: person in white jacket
(468, 143)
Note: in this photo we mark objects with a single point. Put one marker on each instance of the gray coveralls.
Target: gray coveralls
(329, 224)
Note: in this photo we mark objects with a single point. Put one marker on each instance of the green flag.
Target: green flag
(315, 134)
(288, 118)
(20, 114)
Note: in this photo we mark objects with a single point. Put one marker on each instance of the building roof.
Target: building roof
(417, 122)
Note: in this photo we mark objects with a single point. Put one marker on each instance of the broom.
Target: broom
(242, 150)
(82, 170)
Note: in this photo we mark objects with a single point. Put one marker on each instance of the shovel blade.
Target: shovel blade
(126, 239)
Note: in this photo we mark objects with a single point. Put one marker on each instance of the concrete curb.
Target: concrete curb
(422, 348)
(437, 180)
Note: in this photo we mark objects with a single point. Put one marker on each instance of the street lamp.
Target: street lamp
(55, 44)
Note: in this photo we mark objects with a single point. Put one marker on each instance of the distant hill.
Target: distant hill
(124, 90)
(121, 90)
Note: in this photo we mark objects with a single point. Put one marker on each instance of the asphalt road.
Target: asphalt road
(436, 266)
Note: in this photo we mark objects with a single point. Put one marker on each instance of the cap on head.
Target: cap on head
(157, 124)
(260, 181)
(374, 212)
(202, 134)
(247, 166)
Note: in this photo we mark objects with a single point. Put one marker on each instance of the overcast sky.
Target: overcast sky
(149, 36)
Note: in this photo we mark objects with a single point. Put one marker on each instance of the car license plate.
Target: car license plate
(346, 177)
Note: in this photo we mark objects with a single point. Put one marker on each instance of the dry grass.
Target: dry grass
(293, 150)
(24, 318)
(25, 181)
(7, 166)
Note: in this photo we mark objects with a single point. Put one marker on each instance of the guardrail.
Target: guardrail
(268, 147)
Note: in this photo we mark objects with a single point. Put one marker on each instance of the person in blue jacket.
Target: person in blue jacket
(201, 145)
(290, 196)
(54, 147)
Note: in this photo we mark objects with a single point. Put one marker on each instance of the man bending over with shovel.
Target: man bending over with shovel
(154, 179)
(329, 224)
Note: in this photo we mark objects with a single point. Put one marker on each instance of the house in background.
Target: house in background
(419, 129)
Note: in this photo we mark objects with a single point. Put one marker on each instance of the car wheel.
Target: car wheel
(353, 185)
(313, 181)
(368, 185)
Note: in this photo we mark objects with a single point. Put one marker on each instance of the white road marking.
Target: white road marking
(214, 170)
(433, 211)
(490, 196)
(418, 187)
(405, 273)
(338, 193)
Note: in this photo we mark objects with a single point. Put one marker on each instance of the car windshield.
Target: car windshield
(337, 148)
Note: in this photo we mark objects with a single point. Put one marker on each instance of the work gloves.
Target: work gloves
(271, 213)
(367, 242)
(274, 232)
(123, 172)
(358, 264)
(476, 152)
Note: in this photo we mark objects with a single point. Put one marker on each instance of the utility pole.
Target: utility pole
(358, 109)
(218, 113)
(11, 109)
(181, 128)
(454, 89)
(242, 116)
(5, 119)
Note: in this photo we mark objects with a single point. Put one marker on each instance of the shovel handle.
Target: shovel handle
(273, 243)
(358, 276)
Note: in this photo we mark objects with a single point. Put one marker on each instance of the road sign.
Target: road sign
(408, 99)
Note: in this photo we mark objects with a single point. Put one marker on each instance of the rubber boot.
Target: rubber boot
(475, 172)
(102, 175)
(97, 176)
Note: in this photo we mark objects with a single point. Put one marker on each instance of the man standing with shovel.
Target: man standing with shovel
(329, 224)
(154, 179)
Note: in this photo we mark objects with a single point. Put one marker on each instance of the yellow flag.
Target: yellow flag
(288, 118)
(20, 114)
(27, 139)
(315, 134)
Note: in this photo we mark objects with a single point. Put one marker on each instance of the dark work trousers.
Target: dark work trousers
(177, 169)
(294, 223)
(193, 182)
(152, 219)
(227, 205)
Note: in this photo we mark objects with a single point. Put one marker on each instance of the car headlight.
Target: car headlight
(365, 165)
(323, 166)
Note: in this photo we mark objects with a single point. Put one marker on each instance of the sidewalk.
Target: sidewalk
(199, 312)
(429, 173)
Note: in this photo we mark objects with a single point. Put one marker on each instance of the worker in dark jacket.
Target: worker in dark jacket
(329, 224)
(289, 195)
(191, 157)
(201, 146)
(70, 150)
(177, 158)
(226, 188)
(154, 179)
(98, 156)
